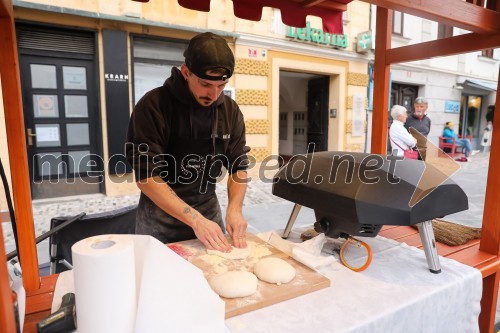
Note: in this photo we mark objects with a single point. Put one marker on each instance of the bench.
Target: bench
(450, 147)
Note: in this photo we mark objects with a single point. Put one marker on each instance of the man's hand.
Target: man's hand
(236, 226)
(210, 234)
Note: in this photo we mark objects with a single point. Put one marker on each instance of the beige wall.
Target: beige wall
(358, 16)
(354, 143)
(252, 95)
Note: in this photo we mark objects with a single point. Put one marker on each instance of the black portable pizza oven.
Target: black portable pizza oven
(358, 193)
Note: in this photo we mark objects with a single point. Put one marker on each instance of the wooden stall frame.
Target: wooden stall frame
(484, 24)
(384, 57)
(18, 156)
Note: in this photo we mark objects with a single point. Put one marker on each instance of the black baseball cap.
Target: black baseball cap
(208, 51)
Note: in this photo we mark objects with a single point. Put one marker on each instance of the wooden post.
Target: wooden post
(381, 81)
(14, 123)
(489, 301)
(490, 233)
(7, 323)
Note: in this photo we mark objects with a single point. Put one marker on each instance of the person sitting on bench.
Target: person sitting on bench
(448, 132)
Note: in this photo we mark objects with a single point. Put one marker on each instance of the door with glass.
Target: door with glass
(317, 113)
(61, 122)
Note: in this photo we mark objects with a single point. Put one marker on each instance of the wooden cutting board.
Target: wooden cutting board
(305, 281)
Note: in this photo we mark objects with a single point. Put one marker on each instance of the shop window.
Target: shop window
(397, 23)
(153, 60)
(470, 115)
(444, 31)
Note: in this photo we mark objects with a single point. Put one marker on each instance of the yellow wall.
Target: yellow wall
(358, 15)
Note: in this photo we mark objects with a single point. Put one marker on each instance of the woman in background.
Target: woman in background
(448, 132)
(400, 139)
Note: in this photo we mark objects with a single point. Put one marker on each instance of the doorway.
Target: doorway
(60, 113)
(403, 94)
(317, 114)
(470, 115)
(303, 113)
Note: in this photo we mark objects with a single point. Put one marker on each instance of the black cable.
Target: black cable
(9, 204)
(49, 233)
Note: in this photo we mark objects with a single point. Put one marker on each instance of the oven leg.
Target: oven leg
(291, 220)
(429, 243)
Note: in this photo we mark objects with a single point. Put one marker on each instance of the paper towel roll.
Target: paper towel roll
(105, 288)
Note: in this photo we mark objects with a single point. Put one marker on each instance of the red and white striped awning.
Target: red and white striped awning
(293, 12)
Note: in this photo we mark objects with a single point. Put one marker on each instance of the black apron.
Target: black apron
(193, 181)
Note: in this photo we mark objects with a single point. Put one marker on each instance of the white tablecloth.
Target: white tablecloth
(397, 293)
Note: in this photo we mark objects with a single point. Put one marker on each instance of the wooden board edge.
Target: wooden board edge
(324, 283)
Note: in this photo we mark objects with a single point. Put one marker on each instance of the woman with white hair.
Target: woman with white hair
(400, 139)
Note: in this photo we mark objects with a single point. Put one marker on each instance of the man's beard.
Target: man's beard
(206, 100)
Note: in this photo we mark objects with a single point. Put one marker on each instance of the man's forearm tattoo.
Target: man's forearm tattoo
(188, 210)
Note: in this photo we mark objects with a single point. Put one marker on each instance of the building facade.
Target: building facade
(84, 65)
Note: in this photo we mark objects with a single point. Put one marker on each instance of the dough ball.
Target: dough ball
(234, 284)
(274, 270)
(235, 253)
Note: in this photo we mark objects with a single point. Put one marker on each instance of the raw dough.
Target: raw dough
(234, 284)
(236, 253)
(274, 270)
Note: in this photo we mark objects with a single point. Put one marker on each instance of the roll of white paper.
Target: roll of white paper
(105, 288)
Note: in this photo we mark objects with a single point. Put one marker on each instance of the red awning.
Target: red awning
(293, 12)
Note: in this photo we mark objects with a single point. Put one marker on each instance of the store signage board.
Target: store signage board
(317, 36)
(452, 106)
(364, 42)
